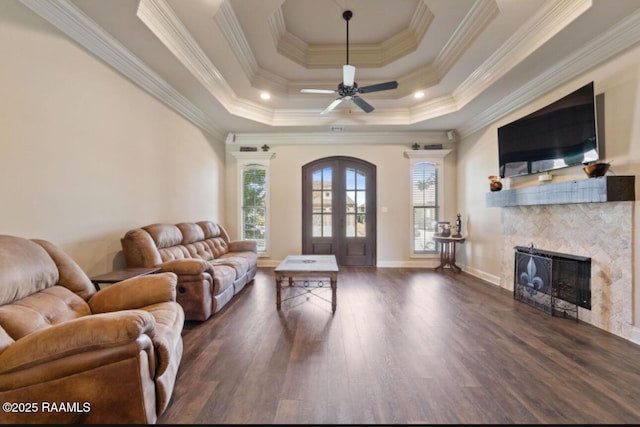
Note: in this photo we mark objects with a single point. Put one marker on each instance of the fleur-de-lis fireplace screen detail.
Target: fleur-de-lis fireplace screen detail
(533, 280)
(552, 282)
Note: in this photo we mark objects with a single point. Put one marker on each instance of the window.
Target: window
(424, 204)
(254, 205)
(427, 191)
(253, 198)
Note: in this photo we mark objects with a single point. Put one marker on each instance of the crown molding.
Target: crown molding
(474, 23)
(158, 16)
(615, 41)
(252, 155)
(232, 31)
(70, 20)
(365, 55)
(259, 77)
(427, 154)
(324, 138)
(434, 108)
(553, 18)
(66, 17)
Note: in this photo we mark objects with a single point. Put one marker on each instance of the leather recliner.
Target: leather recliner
(72, 354)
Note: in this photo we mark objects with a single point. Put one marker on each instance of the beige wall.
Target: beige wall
(619, 81)
(392, 173)
(85, 154)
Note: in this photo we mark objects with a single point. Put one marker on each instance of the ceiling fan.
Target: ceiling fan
(349, 89)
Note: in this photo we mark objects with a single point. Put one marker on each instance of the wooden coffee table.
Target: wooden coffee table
(308, 267)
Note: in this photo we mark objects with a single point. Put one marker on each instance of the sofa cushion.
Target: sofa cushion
(139, 249)
(211, 230)
(48, 307)
(216, 237)
(239, 264)
(25, 269)
(248, 257)
(223, 276)
(164, 235)
(191, 232)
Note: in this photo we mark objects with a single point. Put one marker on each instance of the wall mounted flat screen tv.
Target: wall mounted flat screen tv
(560, 135)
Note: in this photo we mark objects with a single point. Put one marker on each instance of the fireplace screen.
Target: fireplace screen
(552, 282)
(533, 280)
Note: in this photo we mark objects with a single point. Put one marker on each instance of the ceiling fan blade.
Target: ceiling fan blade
(378, 87)
(318, 91)
(348, 75)
(331, 106)
(362, 104)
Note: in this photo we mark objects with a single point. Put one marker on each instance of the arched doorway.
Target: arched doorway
(339, 210)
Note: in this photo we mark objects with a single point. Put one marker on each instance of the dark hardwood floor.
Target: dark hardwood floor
(404, 346)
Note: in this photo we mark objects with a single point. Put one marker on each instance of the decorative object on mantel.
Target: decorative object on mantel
(433, 147)
(545, 177)
(458, 227)
(265, 147)
(248, 148)
(416, 146)
(596, 169)
(495, 184)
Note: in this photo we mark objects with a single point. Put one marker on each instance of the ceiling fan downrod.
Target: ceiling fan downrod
(347, 14)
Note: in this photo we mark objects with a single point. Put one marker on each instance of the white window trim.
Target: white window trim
(435, 157)
(244, 159)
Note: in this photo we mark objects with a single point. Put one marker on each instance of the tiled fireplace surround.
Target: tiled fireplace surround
(601, 231)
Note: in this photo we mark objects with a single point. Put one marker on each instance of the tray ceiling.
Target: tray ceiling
(473, 60)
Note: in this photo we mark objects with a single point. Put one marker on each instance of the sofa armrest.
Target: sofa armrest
(77, 336)
(243, 245)
(136, 292)
(186, 266)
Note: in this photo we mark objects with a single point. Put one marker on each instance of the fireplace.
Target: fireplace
(601, 231)
(553, 282)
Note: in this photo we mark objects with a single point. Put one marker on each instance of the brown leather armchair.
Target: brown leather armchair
(71, 354)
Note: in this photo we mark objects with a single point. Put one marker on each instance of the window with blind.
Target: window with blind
(254, 204)
(425, 206)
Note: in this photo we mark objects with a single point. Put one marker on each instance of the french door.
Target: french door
(339, 210)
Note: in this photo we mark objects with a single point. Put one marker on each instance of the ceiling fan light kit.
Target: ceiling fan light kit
(348, 89)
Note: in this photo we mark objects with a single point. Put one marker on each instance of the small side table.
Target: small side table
(120, 275)
(448, 252)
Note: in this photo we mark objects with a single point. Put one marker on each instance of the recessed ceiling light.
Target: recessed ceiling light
(265, 95)
(418, 94)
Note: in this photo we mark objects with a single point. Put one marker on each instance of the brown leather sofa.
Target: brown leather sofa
(72, 354)
(211, 268)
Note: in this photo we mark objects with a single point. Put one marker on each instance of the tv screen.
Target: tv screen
(560, 135)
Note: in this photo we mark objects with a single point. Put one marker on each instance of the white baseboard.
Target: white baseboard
(494, 280)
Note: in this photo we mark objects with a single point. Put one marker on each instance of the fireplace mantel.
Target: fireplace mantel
(608, 188)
